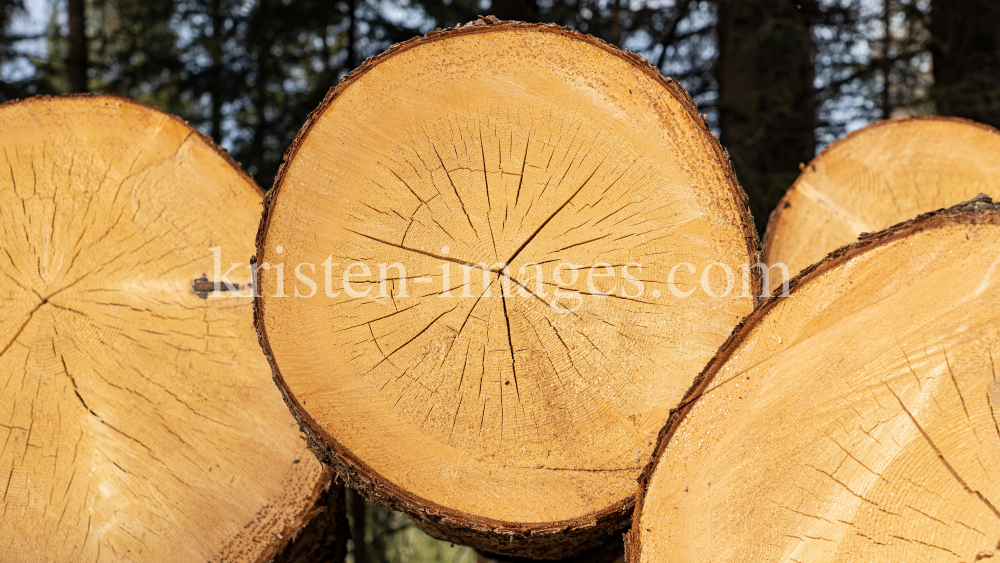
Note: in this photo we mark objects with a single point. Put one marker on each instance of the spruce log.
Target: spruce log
(856, 420)
(496, 412)
(138, 420)
(611, 550)
(884, 174)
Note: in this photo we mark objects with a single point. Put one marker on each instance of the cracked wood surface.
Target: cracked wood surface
(883, 174)
(491, 418)
(138, 420)
(856, 420)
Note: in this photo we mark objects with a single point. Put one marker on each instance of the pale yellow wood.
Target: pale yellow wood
(857, 420)
(884, 174)
(504, 144)
(138, 421)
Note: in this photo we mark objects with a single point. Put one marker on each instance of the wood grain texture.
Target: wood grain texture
(876, 177)
(856, 420)
(494, 420)
(138, 421)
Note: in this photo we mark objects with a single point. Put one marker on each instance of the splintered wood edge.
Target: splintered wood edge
(979, 210)
(440, 521)
(310, 510)
(775, 217)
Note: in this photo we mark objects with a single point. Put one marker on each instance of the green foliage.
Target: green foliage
(132, 50)
(767, 106)
(965, 43)
(391, 537)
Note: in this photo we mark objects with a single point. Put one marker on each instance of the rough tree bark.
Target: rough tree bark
(965, 46)
(138, 416)
(767, 108)
(513, 413)
(324, 538)
(76, 59)
(876, 177)
(858, 420)
(610, 550)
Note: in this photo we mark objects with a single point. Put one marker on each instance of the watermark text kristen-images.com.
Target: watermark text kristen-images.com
(308, 280)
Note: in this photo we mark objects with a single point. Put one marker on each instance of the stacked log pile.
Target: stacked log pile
(505, 272)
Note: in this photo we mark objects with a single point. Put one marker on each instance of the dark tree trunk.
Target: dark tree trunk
(886, 101)
(76, 60)
(324, 539)
(767, 107)
(965, 45)
(517, 10)
(352, 56)
(616, 23)
(358, 508)
(217, 69)
(265, 37)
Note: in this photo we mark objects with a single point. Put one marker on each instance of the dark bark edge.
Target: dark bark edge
(321, 532)
(541, 540)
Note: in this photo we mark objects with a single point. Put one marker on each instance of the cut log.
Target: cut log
(612, 550)
(856, 420)
(138, 418)
(884, 174)
(458, 203)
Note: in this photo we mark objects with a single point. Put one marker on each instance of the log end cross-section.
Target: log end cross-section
(856, 420)
(464, 279)
(883, 174)
(138, 418)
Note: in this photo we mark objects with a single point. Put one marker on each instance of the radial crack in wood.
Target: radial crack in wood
(138, 419)
(884, 174)
(856, 420)
(482, 385)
